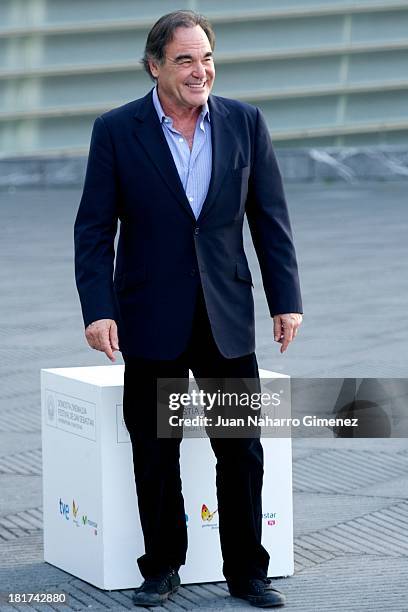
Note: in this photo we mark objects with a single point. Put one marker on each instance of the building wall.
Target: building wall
(332, 73)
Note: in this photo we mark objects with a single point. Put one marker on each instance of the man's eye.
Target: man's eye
(184, 62)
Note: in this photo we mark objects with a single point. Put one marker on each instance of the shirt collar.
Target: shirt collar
(205, 111)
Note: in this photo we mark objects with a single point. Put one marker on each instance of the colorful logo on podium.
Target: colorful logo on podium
(78, 520)
(207, 517)
(74, 508)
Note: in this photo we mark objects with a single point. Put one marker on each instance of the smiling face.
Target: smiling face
(186, 76)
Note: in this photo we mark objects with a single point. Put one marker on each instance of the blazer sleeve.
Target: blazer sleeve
(95, 229)
(269, 223)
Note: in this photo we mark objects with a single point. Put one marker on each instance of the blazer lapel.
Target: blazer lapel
(150, 135)
(222, 139)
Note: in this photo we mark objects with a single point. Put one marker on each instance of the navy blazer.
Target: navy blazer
(163, 252)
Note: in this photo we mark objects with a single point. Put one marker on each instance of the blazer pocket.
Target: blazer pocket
(131, 280)
(243, 273)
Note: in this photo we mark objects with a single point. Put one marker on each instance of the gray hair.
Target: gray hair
(162, 33)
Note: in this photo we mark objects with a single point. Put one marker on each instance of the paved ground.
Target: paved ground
(351, 506)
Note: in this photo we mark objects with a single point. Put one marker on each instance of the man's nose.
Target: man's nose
(199, 71)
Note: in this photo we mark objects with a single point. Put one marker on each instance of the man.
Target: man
(180, 168)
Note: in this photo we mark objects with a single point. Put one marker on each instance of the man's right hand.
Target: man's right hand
(102, 335)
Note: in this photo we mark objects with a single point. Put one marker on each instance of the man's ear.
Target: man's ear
(153, 68)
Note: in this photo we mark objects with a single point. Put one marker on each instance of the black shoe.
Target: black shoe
(259, 593)
(154, 591)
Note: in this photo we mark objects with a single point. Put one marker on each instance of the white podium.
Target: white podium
(91, 522)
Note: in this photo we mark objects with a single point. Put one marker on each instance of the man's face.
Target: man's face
(187, 74)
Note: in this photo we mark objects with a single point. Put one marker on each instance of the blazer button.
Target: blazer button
(196, 231)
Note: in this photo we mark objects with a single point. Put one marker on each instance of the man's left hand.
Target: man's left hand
(285, 327)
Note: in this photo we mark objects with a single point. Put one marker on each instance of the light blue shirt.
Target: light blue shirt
(193, 166)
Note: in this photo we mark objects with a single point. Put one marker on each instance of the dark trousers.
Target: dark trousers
(239, 469)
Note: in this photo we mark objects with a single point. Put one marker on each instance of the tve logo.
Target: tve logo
(64, 509)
